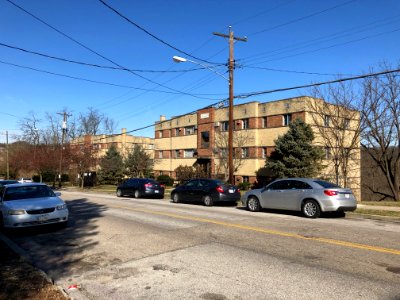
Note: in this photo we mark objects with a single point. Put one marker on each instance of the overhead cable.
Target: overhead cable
(302, 18)
(152, 35)
(95, 52)
(98, 82)
(315, 84)
(96, 65)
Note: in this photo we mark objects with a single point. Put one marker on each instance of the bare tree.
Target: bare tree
(241, 138)
(381, 127)
(337, 124)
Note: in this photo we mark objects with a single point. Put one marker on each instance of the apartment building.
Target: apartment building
(200, 139)
(123, 142)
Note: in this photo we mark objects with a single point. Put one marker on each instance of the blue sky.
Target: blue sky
(287, 40)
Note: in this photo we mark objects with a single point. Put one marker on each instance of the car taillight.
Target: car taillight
(330, 193)
(220, 189)
(148, 185)
(162, 185)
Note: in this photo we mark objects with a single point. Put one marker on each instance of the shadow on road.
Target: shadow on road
(57, 250)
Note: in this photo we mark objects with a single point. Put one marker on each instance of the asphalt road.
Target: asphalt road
(124, 248)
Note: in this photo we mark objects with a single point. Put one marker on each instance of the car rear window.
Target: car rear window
(326, 184)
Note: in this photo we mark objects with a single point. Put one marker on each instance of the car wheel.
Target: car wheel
(311, 209)
(253, 204)
(137, 194)
(208, 201)
(175, 198)
(119, 193)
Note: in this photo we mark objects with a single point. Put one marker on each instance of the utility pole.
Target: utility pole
(231, 67)
(7, 161)
(64, 130)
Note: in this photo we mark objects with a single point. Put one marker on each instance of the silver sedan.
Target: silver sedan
(310, 196)
(31, 204)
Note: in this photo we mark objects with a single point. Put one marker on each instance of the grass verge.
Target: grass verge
(376, 212)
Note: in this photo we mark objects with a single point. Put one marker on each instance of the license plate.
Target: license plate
(156, 191)
(43, 218)
(347, 195)
(231, 191)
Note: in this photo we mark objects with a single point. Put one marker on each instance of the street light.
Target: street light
(179, 59)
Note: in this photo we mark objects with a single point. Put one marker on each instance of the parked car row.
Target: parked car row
(309, 196)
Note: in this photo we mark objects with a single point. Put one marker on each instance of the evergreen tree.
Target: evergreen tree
(111, 167)
(139, 163)
(294, 154)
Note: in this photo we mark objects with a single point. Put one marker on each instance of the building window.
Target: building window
(160, 134)
(176, 153)
(205, 139)
(246, 179)
(245, 124)
(264, 152)
(160, 154)
(189, 130)
(346, 123)
(327, 120)
(151, 146)
(189, 153)
(176, 131)
(287, 119)
(264, 122)
(328, 154)
(225, 126)
(245, 152)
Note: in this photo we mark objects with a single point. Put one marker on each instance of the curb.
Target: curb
(28, 260)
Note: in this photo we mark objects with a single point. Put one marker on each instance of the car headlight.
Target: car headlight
(61, 207)
(16, 212)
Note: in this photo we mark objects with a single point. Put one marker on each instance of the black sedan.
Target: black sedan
(141, 187)
(208, 191)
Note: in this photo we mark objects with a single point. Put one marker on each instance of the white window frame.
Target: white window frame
(245, 152)
(188, 153)
(287, 119)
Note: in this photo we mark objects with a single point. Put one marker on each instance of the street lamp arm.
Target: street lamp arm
(179, 59)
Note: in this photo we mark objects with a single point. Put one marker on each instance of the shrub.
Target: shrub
(165, 179)
(244, 186)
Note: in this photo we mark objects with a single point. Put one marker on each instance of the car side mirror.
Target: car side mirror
(58, 194)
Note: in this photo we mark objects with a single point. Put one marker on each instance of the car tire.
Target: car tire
(119, 193)
(137, 194)
(175, 198)
(1, 222)
(311, 209)
(208, 200)
(253, 204)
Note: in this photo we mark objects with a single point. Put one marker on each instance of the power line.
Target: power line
(302, 18)
(99, 82)
(96, 65)
(331, 46)
(316, 84)
(292, 71)
(152, 35)
(93, 51)
(322, 39)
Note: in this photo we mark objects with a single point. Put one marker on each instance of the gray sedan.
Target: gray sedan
(310, 196)
(31, 204)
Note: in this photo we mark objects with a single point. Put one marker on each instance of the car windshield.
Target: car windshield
(27, 192)
(326, 184)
